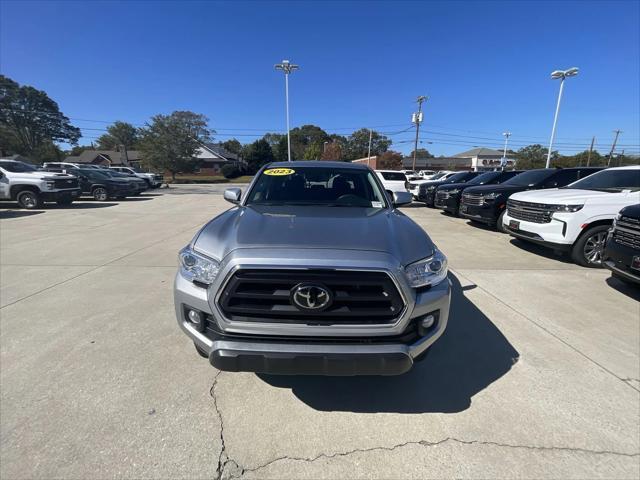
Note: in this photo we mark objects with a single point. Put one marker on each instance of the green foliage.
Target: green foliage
(47, 152)
(170, 142)
(120, 133)
(257, 154)
(232, 146)
(422, 153)
(274, 138)
(332, 151)
(389, 160)
(30, 121)
(358, 144)
(307, 137)
(533, 156)
(313, 152)
(78, 149)
(231, 171)
(280, 150)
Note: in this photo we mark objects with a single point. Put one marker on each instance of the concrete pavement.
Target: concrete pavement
(537, 375)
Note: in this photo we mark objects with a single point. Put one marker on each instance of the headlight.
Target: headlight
(431, 188)
(490, 197)
(565, 208)
(430, 271)
(615, 220)
(196, 267)
(50, 184)
(455, 191)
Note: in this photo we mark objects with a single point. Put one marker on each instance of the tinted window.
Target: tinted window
(394, 176)
(18, 167)
(484, 178)
(461, 177)
(317, 186)
(610, 180)
(562, 178)
(530, 178)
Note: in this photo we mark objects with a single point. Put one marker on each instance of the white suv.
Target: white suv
(153, 180)
(574, 218)
(393, 180)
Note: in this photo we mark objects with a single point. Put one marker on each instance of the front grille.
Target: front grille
(442, 195)
(627, 232)
(476, 199)
(65, 183)
(529, 212)
(360, 297)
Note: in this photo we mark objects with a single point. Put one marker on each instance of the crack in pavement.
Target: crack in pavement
(428, 444)
(228, 469)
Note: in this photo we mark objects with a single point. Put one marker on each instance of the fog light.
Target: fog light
(195, 317)
(428, 321)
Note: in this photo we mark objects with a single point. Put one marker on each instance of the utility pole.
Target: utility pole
(369, 154)
(613, 147)
(593, 140)
(417, 119)
(287, 67)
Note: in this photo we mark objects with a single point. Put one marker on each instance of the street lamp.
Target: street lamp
(555, 75)
(504, 154)
(287, 68)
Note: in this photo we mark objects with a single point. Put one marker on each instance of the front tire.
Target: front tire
(499, 224)
(588, 250)
(100, 194)
(29, 199)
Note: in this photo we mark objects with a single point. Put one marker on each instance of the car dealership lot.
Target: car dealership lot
(537, 375)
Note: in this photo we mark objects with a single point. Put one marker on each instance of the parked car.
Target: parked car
(426, 173)
(486, 204)
(427, 190)
(448, 196)
(393, 180)
(414, 185)
(154, 180)
(622, 250)
(31, 188)
(287, 283)
(575, 218)
(409, 173)
(101, 186)
(139, 184)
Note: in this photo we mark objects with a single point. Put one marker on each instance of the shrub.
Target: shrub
(231, 171)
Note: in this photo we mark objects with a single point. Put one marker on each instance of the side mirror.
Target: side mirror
(402, 198)
(233, 195)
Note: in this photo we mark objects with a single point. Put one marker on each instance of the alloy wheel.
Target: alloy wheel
(593, 248)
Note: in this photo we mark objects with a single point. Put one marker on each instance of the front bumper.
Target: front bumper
(618, 258)
(559, 233)
(487, 213)
(450, 204)
(370, 349)
(54, 196)
(427, 196)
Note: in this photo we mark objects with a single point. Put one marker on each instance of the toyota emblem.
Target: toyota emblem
(311, 297)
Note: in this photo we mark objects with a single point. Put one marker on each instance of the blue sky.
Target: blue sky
(484, 65)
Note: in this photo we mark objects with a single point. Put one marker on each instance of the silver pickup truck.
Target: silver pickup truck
(313, 271)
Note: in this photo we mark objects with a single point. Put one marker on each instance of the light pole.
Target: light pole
(504, 154)
(287, 68)
(558, 74)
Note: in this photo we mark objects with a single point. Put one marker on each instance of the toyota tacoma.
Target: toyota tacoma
(313, 271)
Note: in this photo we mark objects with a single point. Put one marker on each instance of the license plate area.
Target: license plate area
(514, 225)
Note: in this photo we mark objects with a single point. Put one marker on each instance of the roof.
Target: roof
(218, 149)
(474, 152)
(427, 162)
(114, 156)
(316, 163)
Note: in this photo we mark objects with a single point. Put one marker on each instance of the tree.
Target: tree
(257, 154)
(332, 151)
(313, 152)
(30, 120)
(358, 144)
(120, 133)
(170, 142)
(422, 153)
(304, 137)
(78, 149)
(232, 146)
(280, 150)
(389, 160)
(274, 138)
(533, 156)
(47, 152)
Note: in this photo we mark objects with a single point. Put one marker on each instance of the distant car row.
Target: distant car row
(63, 183)
(569, 210)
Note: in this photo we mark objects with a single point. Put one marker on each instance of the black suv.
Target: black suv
(427, 190)
(102, 187)
(622, 250)
(486, 204)
(448, 196)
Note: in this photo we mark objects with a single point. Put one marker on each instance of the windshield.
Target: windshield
(458, 177)
(93, 174)
(336, 187)
(437, 176)
(530, 178)
(484, 178)
(610, 180)
(18, 167)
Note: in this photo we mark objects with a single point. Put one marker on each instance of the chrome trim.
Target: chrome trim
(234, 269)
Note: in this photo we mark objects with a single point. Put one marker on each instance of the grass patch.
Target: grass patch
(181, 179)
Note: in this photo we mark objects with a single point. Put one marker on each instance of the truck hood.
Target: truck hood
(39, 175)
(499, 189)
(334, 228)
(565, 196)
